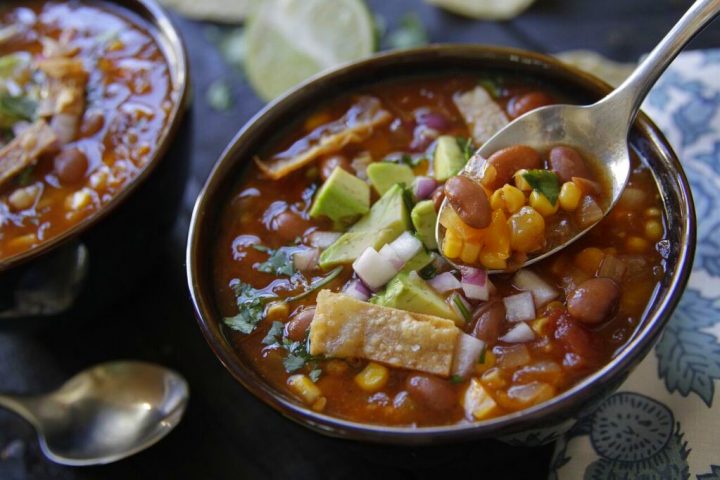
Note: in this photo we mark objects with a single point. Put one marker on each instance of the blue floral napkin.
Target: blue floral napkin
(664, 422)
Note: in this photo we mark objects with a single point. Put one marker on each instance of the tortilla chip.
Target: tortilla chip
(345, 327)
(25, 149)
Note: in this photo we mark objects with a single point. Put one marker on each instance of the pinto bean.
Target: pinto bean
(92, 123)
(432, 392)
(70, 165)
(469, 200)
(290, 225)
(297, 327)
(329, 164)
(490, 318)
(593, 300)
(511, 159)
(438, 196)
(521, 104)
(568, 163)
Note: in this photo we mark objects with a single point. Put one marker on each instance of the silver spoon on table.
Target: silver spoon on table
(106, 413)
(600, 129)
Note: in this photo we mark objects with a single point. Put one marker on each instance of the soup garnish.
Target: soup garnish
(330, 276)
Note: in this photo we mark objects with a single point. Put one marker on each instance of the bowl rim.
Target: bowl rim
(166, 34)
(577, 396)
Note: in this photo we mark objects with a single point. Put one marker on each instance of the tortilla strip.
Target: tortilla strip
(345, 327)
(25, 149)
(66, 95)
(482, 115)
(355, 126)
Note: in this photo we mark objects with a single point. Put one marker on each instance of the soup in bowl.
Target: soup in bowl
(318, 280)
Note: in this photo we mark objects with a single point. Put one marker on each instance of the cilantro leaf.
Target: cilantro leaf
(410, 33)
(316, 285)
(492, 87)
(293, 362)
(251, 308)
(315, 374)
(456, 379)
(545, 182)
(411, 160)
(466, 146)
(14, 109)
(298, 356)
(279, 263)
(275, 331)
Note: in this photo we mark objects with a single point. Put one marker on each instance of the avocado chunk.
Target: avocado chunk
(418, 262)
(384, 175)
(407, 291)
(342, 198)
(387, 219)
(424, 218)
(448, 158)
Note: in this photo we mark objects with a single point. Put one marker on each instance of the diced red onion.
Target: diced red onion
(475, 283)
(542, 291)
(434, 120)
(406, 246)
(306, 259)
(520, 333)
(423, 187)
(461, 307)
(389, 254)
(444, 282)
(322, 239)
(357, 289)
(467, 354)
(373, 269)
(520, 307)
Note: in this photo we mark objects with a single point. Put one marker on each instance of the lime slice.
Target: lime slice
(484, 9)
(290, 40)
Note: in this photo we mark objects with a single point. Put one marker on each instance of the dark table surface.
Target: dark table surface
(227, 433)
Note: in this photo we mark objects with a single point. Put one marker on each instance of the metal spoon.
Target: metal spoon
(105, 413)
(600, 129)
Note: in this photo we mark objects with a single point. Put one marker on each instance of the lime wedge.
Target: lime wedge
(484, 9)
(290, 40)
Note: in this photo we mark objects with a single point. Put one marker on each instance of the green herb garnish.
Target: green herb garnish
(316, 285)
(280, 261)
(251, 307)
(461, 307)
(456, 379)
(275, 331)
(492, 87)
(315, 374)
(466, 146)
(14, 109)
(410, 33)
(545, 182)
(24, 177)
(298, 356)
(481, 359)
(428, 272)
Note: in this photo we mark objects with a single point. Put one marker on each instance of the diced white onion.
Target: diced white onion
(589, 212)
(520, 307)
(357, 289)
(475, 283)
(520, 333)
(406, 246)
(389, 254)
(373, 269)
(612, 267)
(542, 291)
(467, 354)
(444, 282)
(323, 240)
(306, 259)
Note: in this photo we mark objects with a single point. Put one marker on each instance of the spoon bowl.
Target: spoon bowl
(600, 129)
(105, 413)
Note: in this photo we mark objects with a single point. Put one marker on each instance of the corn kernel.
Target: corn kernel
(492, 260)
(277, 311)
(589, 260)
(527, 230)
(24, 197)
(653, 212)
(569, 197)
(373, 377)
(520, 181)
(22, 242)
(497, 239)
(451, 221)
(493, 379)
(653, 230)
(541, 203)
(488, 363)
(470, 252)
(316, 120)
(319, 404)
(478, 402)
(452, 244)
(636, 244)
(488, 175)
(78, 200)
(507, 198)
(336, 367)
(304, 388)
(540, 326)
(497, 201)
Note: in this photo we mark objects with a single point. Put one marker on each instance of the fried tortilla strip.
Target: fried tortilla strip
(355, 126)
(24, 150)
(65, 102)
(345, 327)
(482, 115)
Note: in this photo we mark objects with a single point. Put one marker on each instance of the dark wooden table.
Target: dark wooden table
(227, 433)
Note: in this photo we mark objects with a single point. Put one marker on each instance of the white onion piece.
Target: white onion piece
(444, 282)
(542, 291)
(520, 307)
(520, 333)
(612, 267)
(306, 259)
(467, 354)
(323, 240)
(589, 212)
(373, 269)
(406, 246)
(357, 289)
(389, 254)
(423, 187)
(475, 283)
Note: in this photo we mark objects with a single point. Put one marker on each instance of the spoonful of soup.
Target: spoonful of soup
(548, 177)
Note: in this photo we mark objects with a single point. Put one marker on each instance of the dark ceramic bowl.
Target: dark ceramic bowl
(544, 421)
(94, 263)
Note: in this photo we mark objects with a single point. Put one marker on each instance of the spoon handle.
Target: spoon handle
(15, 404)
(628, 97)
